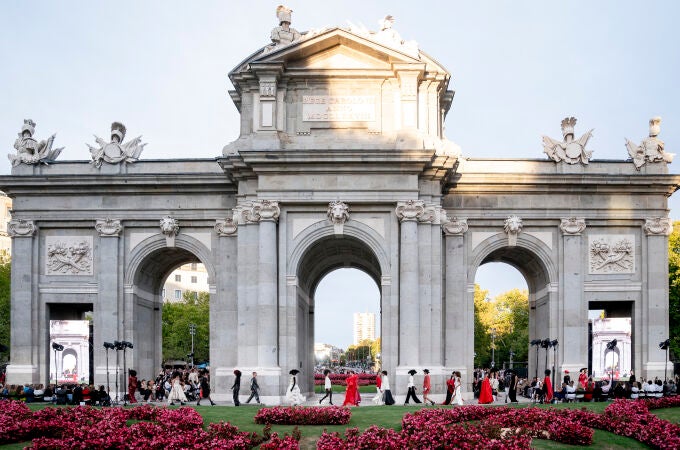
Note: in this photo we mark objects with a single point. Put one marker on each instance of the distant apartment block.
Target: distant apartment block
(191, 278)
(364, 327)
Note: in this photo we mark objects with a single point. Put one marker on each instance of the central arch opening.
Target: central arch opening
(338, 277)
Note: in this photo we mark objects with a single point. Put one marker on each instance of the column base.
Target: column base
(655, 369)
(22, 374)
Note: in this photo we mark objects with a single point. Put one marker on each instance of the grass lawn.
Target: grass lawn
(390, 417)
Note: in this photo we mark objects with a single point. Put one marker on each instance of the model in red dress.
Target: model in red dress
(352, 390)
(132, 385)
(485, 394)
(547, 387)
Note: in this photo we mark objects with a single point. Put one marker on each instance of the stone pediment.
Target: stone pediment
(320, 43)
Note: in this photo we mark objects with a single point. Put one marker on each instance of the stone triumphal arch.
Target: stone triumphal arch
(341, 162)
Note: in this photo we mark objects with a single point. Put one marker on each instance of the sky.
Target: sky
(518, 67)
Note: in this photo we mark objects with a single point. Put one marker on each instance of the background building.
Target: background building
(187, 278)
(5, 240)
(364, 327)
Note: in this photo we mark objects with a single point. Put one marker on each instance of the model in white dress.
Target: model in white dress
(293, 395)
(177, 392)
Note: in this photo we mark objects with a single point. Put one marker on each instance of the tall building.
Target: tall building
(364, 327)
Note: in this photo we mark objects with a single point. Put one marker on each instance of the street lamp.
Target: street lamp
(512, 355)
(192, 332)
(493, 348)
(664, 345)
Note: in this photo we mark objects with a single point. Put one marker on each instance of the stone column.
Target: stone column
(267, 213)
(572, 313)
(223, 307)
(409, 302)
(458, 322)
(23, 367)
(655, 297)
(106, 318)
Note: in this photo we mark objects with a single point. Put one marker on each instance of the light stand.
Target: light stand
(57, 348)
(545, 343)
(118, 346)
(554, 345)
(536, 342)
(108, 346)
(664, 345)
(124, 345)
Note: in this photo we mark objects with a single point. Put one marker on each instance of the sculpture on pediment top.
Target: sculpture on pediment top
(30, 150)
(570, 151)
(650, 150)
(389, 36)
(115, 151)
(284, 34)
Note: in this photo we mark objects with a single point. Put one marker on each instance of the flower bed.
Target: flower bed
(157, 428)
(514, 428)
(301, 415)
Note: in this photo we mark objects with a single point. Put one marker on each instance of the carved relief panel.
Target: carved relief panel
(68, 255)
(611, 253)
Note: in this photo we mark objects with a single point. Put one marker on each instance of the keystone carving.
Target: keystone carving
(170, 228)
(573, 225)
(513, 227)
(108, 227)
(21, 228)
(410, 210)
(658, 226)
(338, 214)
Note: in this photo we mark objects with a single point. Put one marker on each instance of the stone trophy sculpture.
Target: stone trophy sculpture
(115, 151)
(284, 34)
(30, 150)
(570, 151)
(651, 149)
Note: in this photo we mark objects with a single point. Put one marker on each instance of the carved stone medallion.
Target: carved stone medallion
(455, 227)
(611, 254)
(68, 255)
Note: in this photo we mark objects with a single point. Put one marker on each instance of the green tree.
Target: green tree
(177, 316)
(674, 289)
(5, 272)
(508, 315)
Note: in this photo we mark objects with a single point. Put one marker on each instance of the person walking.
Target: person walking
(236, 387)
(485, 393)
(132, 385)
(378, 398)
(427, 387)
(254, 389)
(387, 393)
(351, 392)
(547, 389)
(450, 388)
(458, 389)
(512, 387)
(411, 388)
(204, 392)
(176, 391)
(328, 387)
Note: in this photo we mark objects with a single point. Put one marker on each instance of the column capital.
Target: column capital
(455, 226)
(226, 227)
(410, 210)
(108, 227)
(256, 211)
(573, 226)
(658, 226)
(21, 228)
